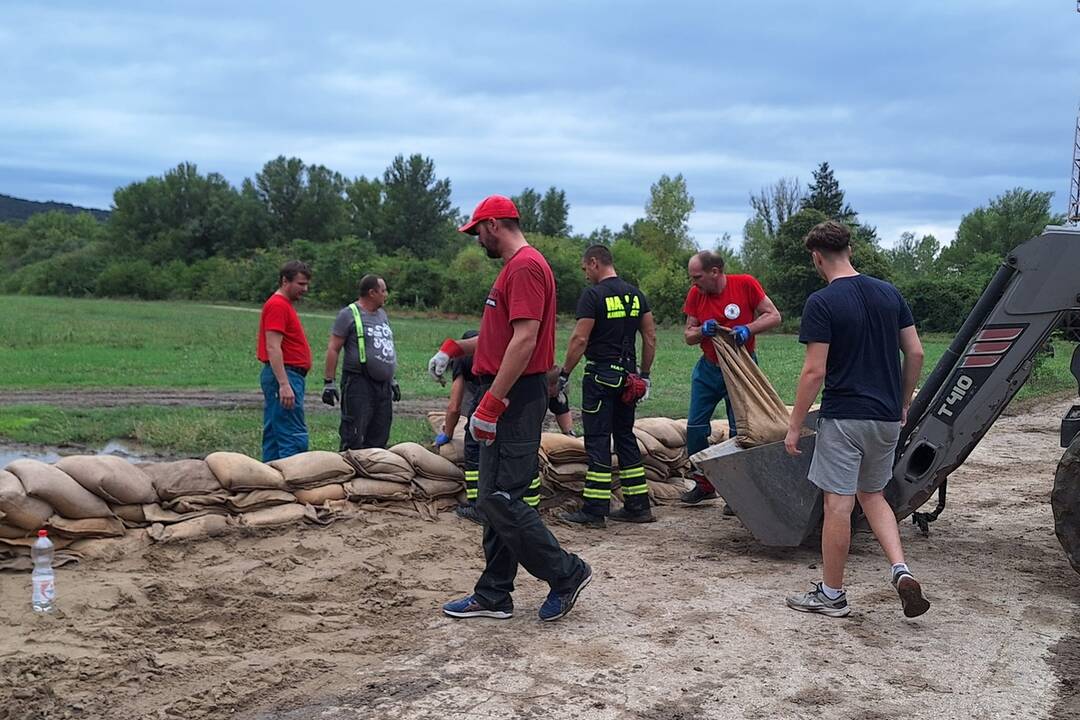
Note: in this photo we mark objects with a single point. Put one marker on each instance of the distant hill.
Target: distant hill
(13, 209)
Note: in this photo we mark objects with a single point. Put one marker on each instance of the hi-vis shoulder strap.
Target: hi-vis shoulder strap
(359, 333)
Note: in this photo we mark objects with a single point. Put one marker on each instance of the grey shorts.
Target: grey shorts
(853, 455)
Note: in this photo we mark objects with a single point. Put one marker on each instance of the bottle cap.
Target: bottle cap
(42, 533)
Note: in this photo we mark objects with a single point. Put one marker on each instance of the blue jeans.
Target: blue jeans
(707, 389)
(284, 431)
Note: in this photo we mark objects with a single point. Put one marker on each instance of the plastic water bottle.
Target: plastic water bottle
(44, 595)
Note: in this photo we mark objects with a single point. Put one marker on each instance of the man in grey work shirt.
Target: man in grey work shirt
(367, 374)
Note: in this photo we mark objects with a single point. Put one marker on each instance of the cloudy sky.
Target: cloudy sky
(924, 108)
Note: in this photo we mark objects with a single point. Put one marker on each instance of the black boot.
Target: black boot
(580, 517)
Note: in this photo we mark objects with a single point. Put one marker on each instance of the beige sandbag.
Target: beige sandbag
(380, 464)
(133, 515)
(669, 432)
(718, 431)
(760, 416)
(206, 526)
(426, 463)
(156, 514)
(426, 487)
(87, 527)
(19, 509)
(319, 495)
(215, 502)
(238, 472)
(312, 469)
(366, 488)
(279, 515)
(664, 493)
(54, 486)
(647, 444)
(113, 479)
(259, 499)
(181, 477)
(563, 448)
(11, 532)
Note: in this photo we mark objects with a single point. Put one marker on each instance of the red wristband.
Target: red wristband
(451, 348)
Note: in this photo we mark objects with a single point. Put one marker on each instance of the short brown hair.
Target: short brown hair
(602, 254)
(710, 260)
(829, 236)
(291, 269)
(369, 283)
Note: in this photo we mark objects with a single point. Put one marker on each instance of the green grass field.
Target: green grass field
(64, 344)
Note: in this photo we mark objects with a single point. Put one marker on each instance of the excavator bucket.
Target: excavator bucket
(767, 488)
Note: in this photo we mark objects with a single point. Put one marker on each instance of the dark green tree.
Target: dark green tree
(825, 196)
(364, 201)
(302, 201)
(554, 213)
(668, 214)
(913, 257)
(528, 205)
(417, 213)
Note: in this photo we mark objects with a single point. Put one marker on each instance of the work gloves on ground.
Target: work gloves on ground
(710, 327)
(484, 420)
(330, 394)
(441, 439)
(740, 334)
(395, 391)
(441, 360)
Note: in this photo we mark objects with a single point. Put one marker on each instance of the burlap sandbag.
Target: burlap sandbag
(426, 463)
(238, 472)
(206, 526)
(561, 448)
(278, 515)
(380, 464)
(258, 500)
(111, 478)
(427, 488)
(718, 431)
(760, 416)
(319, 495)
(87, 527)
(54, 486)
(454, 451)
(19, 509)
(664, 493)
(215, 502)
(669, 432)
(11, 532)
(182, 477)
(366, 488)
(157, 514)
(133, 515)
(313, 469)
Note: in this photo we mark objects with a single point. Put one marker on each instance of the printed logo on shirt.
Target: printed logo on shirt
(732, 311)
(490, 302)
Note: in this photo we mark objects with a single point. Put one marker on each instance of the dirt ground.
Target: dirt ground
(685, 619)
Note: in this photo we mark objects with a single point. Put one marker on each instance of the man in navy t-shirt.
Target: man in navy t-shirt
(854, 330)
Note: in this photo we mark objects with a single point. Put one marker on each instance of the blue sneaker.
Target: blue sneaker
(468, 607)
(556, 605)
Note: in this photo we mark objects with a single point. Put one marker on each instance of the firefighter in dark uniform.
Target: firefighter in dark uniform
(610, 315)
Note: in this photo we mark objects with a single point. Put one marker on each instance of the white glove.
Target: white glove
(437, 365)
(648, 389)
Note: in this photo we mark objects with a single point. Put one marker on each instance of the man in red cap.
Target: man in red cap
(511, 357)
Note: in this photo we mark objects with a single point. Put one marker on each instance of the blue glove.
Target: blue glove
(441, 439)
(741, 334)
(709, 328)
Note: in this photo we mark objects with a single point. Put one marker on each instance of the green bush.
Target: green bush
(632, 262)
(412, 283)
(133, 278)
(71, 274)
(940, 304)
(666, 288)
(468, 280)
(564, 257)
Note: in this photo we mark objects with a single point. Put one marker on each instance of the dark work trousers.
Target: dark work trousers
(472, 453)
(367, 410)
(605, 416)
(513, 531)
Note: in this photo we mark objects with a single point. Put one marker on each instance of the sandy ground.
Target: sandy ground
(685, 619)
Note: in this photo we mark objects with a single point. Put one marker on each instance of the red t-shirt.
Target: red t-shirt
(279, 315)
(734, 306)
(524, 290)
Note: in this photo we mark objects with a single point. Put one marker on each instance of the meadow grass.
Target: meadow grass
(68, 344)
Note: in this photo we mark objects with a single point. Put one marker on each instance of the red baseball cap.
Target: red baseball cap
(493, 206)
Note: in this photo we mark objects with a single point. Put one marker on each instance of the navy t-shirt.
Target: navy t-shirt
(860, 317)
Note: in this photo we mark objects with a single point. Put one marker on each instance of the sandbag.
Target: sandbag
(671, 433)
(428, 488)
(206, 526)
(718, 431)
(380, 464)
(111, 478)
(133, 515)
(313, 469)
(86, 528)
(54, 486)
(239, 473)
(563, 448)
(366, 488)
(11, 532)
(760, 416)
(195, 503)
(279, 515)
(258, 499)
(182, 477)
(19, 509)
(663, 493)
(319, 495)
(157, 514)
(426, 463)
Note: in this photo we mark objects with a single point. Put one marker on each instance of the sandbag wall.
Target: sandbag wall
(84, 497)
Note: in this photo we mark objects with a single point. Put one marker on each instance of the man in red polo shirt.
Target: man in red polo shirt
(511, 356)
(286, 357)
(717, 303)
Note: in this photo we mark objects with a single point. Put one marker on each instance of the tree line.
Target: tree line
(189, 235)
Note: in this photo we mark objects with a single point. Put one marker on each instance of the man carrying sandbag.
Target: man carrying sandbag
(283, 350)
(512, 355)
(610, 315)
(368, 387)
(717, 302)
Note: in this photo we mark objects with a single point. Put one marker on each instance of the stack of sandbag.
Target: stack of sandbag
(316, 477)
(252, 485)
(79, 507)
(186, 489)
(433, 475)
(563, 462)
(380, 475)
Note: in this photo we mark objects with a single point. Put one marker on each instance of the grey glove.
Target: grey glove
(330, 393)
(395, 391)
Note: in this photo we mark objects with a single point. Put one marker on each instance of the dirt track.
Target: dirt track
(684, 620)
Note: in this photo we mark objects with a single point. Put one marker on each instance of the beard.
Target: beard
(492, 253)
